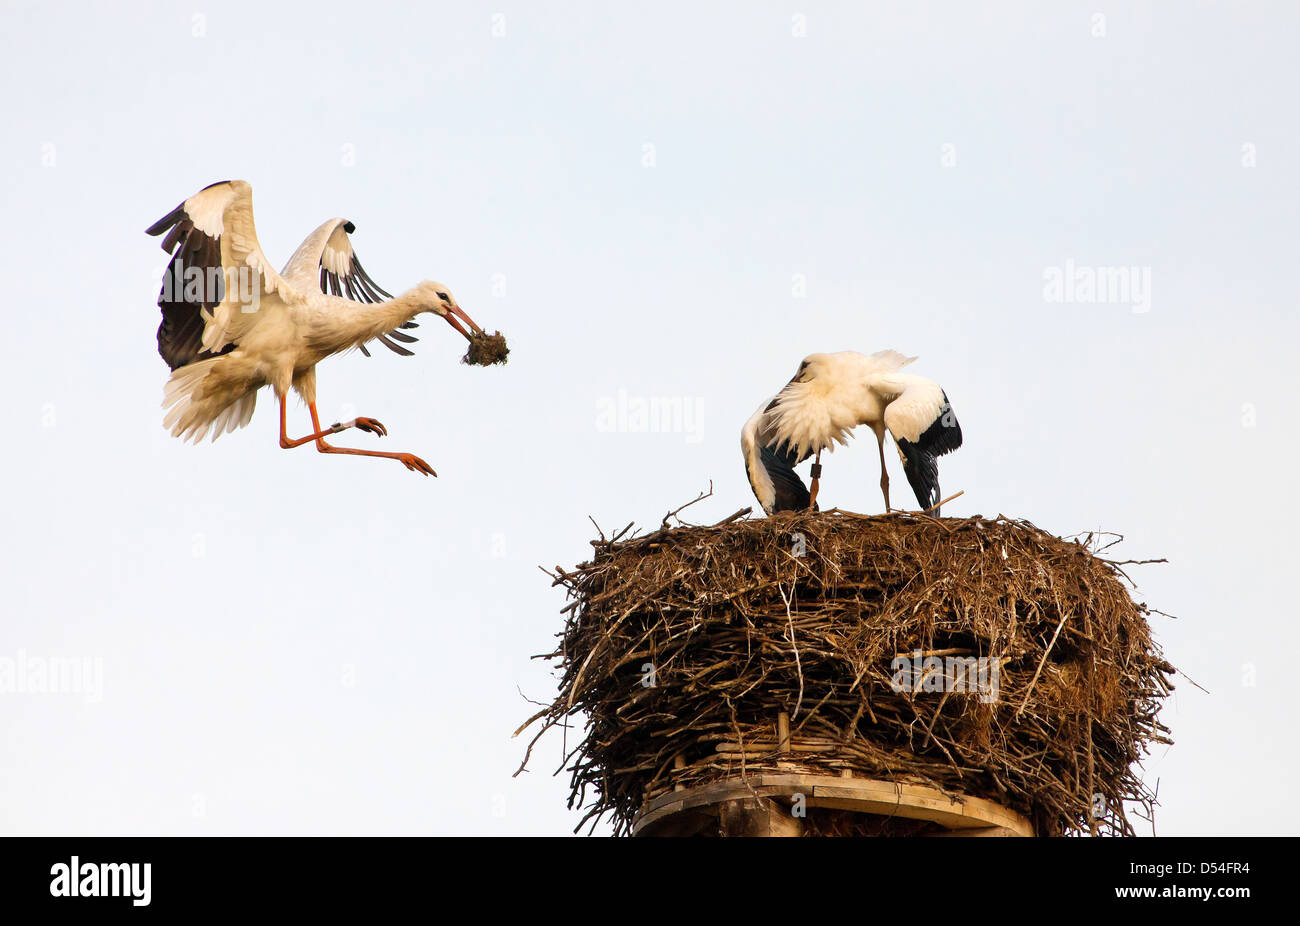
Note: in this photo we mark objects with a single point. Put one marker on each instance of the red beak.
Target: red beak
(456, 312)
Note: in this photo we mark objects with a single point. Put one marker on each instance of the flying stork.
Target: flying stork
(231, 324)
(828, 397)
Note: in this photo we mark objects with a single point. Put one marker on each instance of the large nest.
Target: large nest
(683, 646)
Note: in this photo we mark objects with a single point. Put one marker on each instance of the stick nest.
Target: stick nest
(486, 349)
(681, 647)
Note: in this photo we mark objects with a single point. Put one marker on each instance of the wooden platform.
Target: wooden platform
(765, 804)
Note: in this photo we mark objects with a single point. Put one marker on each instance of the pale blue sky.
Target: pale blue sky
(293, 643)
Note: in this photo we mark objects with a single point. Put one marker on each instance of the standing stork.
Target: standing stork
(231, 324)
(830, 396)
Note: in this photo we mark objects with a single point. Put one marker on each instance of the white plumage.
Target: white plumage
(829, 396)
(232, 325)
(764, 477)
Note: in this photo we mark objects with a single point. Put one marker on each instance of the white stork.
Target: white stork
(830, 396)
(232, 325)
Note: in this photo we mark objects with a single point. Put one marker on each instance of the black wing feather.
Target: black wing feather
(921, 457)
(791, 493)
(359, 286)
(329, 283)
(192, 283)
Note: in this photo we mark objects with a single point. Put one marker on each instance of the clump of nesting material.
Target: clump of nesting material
(809, 614)
(486, 349)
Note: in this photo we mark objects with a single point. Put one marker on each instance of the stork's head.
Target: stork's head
(812, 367)
(440, 301)
(802, 416)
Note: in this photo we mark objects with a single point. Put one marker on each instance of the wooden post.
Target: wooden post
(759, 804)
(757, 817)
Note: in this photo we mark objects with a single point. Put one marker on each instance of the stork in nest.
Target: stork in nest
(828, 397)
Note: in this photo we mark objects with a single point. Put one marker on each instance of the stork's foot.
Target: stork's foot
(414, 463)
(409, 460)
(373, 425)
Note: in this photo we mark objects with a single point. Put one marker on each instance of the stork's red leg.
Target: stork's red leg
(287, 442)
(409, 460)
(816, 481)
(884, 473)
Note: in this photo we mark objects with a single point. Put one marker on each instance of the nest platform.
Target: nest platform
(842, 674)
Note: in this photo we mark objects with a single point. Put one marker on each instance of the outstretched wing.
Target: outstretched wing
(771, 471)
(218, 274)
(327, 260)
(924, 428)
(887, 361)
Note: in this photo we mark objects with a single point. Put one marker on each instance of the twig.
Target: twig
(530, 701)
(529, 722)
(798, 664)
(619, 536)
(699, 498)
(918, 654)
(1047, 652)
(734, 517)
(943, 501)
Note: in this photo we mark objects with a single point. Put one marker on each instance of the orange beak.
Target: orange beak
(456, 312)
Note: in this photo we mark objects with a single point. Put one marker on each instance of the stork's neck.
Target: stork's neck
(349, 324)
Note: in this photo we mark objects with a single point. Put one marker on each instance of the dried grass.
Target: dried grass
(681, 647)
(486, 349)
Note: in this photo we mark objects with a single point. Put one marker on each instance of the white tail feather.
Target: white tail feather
(216, 395)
